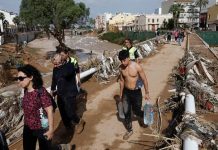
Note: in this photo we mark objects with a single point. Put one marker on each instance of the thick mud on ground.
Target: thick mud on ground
(103, 129)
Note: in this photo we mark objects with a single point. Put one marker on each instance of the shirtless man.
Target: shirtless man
(132, 98)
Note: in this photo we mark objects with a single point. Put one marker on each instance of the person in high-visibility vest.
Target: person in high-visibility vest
(66, 58)
(64, 81)
(134, 54)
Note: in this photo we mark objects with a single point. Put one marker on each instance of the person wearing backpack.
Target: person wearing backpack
(38, 109)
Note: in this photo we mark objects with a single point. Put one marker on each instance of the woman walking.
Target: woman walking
(38, 110)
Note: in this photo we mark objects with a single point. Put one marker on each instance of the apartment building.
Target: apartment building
(124, 21)
(189, 15)
(101, 21)
(138, 24)
(212, 17)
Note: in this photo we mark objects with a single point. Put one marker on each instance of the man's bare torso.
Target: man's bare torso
(130, 75)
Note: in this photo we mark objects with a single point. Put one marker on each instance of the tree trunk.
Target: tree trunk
(58, 34)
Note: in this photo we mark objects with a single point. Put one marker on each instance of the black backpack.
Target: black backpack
(3, 142)
(52, 99)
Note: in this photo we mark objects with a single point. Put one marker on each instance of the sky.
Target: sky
(100, 6)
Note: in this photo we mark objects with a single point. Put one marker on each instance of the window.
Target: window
(148, 20)
(157, 20)
(152, 20)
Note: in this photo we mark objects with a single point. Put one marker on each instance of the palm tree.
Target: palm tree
(201, 4)
(175, 9)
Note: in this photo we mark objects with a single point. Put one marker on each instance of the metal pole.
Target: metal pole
(190, 104)
(190, 143)
(187, 42)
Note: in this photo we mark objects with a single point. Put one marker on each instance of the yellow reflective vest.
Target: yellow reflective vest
(131, 52)
(73, 60)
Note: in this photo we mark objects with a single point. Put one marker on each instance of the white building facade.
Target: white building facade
(155, 21)
(189, 15)
(123, 21)
(137, 24)
(9, 16)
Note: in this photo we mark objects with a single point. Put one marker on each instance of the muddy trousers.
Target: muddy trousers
(132, 100)
(30, 138)
(67, 106)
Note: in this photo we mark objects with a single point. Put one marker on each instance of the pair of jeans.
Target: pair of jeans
(67, 106)
(30, 138)
(132, 100)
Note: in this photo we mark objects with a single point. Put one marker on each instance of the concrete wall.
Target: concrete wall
(28, 37)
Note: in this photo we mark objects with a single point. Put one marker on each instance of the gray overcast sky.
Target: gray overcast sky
(101, 6)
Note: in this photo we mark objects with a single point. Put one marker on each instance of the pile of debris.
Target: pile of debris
(108, 64)
(194, 92)
(11, 114)
(200, 82)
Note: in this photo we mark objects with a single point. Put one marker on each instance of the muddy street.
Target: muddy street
(103, 130)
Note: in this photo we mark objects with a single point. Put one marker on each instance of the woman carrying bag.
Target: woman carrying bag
(38, 110)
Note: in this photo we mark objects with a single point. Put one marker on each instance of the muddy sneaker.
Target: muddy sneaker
(80, 126)
(65, 147)
(127, 135)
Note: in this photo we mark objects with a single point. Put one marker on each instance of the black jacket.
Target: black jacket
(64, 79)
